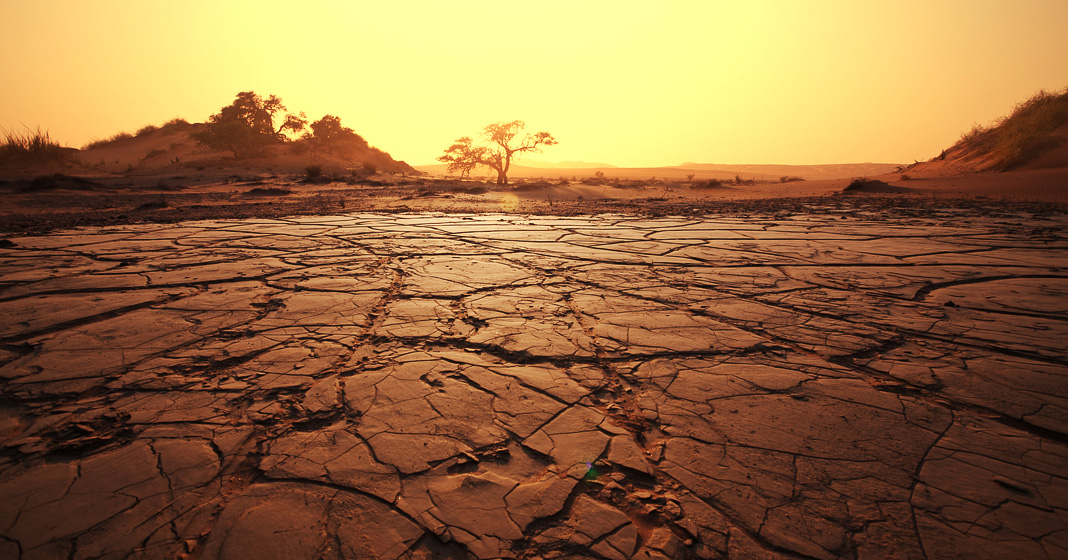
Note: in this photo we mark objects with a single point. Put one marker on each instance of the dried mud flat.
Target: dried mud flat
(497, 386)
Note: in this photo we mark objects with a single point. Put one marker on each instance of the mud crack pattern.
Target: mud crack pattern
(442, 386)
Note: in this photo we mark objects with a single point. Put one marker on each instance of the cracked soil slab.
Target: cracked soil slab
(445, 386)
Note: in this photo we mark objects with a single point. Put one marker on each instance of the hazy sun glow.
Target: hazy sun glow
(627, 83)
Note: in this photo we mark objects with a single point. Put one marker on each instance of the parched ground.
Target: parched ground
(822, 385)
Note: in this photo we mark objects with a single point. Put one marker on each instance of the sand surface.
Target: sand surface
(883, 380)
(46, 202)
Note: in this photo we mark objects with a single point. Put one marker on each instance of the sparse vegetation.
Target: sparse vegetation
(856, 184)
(597, 179)
(31, 146)
(1021, 136)
(313, 173)
(708, 184)
(790, 179)
(248, 127)
(117, 137)
(175, 125)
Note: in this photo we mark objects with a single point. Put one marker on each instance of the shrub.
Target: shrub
(313, 172)
(790, 179)
(709, 184)
(148, 128)
(114, 138)
(974, 134)
(597, 179)
(864, 183)
(175, 125)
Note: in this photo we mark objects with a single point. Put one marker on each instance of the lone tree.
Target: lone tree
(500, 148)
(246, 126)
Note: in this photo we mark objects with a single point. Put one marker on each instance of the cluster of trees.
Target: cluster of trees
(251, 124)
(247, 127)
(502, 143)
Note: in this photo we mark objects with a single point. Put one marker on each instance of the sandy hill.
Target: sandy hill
(1033, 137)
(172, 150)
(174, 147)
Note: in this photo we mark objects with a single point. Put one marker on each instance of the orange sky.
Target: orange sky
(627, 83)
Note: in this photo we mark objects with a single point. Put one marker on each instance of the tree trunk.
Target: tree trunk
(503, 178)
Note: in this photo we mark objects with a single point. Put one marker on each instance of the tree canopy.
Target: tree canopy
(328, 133)
(246, 126)
(502, 143)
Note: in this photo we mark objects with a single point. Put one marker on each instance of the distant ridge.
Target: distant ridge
(567, 165)
(810, 172)
(766, 172)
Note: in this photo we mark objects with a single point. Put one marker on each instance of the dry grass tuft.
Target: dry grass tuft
(1021, 136)
(31, 146)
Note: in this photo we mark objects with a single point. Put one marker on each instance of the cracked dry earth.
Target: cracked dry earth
(436, 386)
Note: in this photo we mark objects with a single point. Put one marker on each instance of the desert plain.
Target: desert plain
(411, 369)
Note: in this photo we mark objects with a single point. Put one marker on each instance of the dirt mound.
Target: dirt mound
(874, 186)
